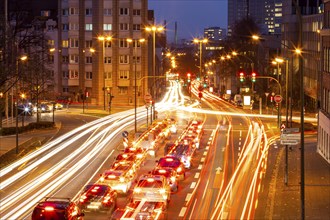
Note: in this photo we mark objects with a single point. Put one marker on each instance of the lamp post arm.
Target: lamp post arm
(272, 78)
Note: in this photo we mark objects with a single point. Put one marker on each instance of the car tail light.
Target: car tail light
(122, 179)
(137, 190)
(49, 208)
(106, 199)
(102, 179)
(179, 169)
(172, 179)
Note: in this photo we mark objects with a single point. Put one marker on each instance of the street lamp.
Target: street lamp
(103, 39)
(135, 42)
(200, 42)
(22, 58)
(154, 29)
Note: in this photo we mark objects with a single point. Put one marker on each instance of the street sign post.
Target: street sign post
(278, 98)
(147, 98)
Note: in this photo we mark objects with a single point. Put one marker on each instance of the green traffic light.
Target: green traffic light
(204, 85)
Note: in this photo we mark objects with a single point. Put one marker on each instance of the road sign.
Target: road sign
(278, 98)
(290, 136)
(147, 97)
(290, 130)
(289, 142)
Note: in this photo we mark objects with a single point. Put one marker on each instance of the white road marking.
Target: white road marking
(183, 211)
(207, 148)
(196, 175)
(205, 153)
(188, 197)
(193, 184)
(203, 159)
(200, 167)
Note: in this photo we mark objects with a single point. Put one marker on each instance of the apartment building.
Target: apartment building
(323, 144)
(93, 59)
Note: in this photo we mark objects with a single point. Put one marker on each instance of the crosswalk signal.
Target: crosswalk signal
(253, 77)
(241, 77)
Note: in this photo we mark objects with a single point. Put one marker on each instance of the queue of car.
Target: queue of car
(152, 191)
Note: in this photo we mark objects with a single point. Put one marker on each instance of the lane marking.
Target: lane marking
(207, 148)
(203, 159)
(188, 197)
(196, 175)
(205, 153)
(200, 167)
(183, 211)
(193, 184)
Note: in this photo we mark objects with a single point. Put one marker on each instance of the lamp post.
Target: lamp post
(23, 58)
(104, 39)
(135, 42)
(154, 29)
(200, 42)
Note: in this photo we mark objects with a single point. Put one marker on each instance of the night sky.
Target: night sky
(192, 16)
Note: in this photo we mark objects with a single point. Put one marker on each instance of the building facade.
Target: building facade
(266, 14)
(323, 144)
(93, 60)
(311, 18)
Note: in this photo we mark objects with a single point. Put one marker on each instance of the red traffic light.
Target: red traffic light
(253, 74)
(188, 74)
(241, 74)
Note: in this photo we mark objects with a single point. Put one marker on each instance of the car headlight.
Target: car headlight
(162, 191)
(102, 179)
(122, 179)
(179, 169)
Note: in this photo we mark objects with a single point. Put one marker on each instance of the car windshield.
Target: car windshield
(166, 173)
(96, 189)
(150, 183)
(169, 162)
(112, 175)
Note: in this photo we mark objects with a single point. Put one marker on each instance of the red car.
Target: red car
(174, 163)
(57, 209)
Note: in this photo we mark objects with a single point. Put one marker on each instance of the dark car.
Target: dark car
(98, 197)
(174, 163)
(57, 209)
(184, 151)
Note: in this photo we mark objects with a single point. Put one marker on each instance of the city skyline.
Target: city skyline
(192, 16)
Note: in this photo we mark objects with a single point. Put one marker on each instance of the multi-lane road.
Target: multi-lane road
(224, 181)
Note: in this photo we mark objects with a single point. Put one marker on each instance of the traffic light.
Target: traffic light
(241, 76)
(200, 95)
(205, 85)
(253, 76)
(188, 77)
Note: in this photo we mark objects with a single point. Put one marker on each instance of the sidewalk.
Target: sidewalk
(287, 201)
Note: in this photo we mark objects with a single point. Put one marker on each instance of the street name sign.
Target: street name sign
(289, 142)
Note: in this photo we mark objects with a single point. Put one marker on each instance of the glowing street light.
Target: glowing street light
(200, 42)
(103, 39)
(135, 83)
